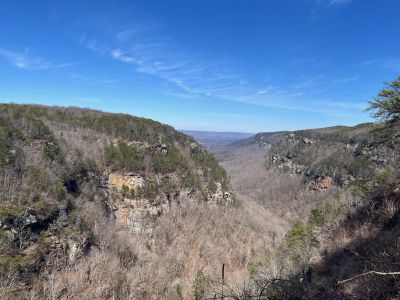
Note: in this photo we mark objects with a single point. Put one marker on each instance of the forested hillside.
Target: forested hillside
(93, 203)
(336, 192)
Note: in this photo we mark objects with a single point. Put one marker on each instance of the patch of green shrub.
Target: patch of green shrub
(179, 291)
(168, 162)
(189, 179)
(149, 190)
(299, 239)
(211, 169)
(235, 201)
(254, 268)
(317, 217)
(200, 286)
(375, 178)
(124, 157)
(38, 179)
(5, 242)
(83, 167)
(14, 263)
(13, 210)
(52, 150)
(60, 190)
(8, 134)
(167, 186)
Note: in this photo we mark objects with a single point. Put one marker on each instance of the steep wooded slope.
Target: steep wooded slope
(336, 191)
(93, 204)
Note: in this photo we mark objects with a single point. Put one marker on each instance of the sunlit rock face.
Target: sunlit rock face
(129, 180)
(137, 212)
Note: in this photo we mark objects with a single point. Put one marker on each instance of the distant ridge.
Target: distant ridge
(213, 139)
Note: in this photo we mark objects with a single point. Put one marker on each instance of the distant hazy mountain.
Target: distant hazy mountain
(212, 139)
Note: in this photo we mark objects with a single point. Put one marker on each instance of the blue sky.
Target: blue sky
(203, 65)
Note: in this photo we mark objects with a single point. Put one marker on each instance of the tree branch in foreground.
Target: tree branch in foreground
(367, 273)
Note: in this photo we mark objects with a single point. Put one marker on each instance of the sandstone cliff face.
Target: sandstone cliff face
(128, 180)
(137, 212)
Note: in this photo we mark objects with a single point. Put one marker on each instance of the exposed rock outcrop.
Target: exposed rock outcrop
(220, 196)
(322, 183)
(128, 180)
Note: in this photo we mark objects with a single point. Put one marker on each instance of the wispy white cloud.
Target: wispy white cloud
(306, 62)
(93, 45)
(298, 94)
(189, 75)
(320, 7)
(345, 80)
(339, 2)
(307, 81)
(179, 69)
(137, 30)
(392, 63)
(179, 94)
(26, 61)
(89, 79)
